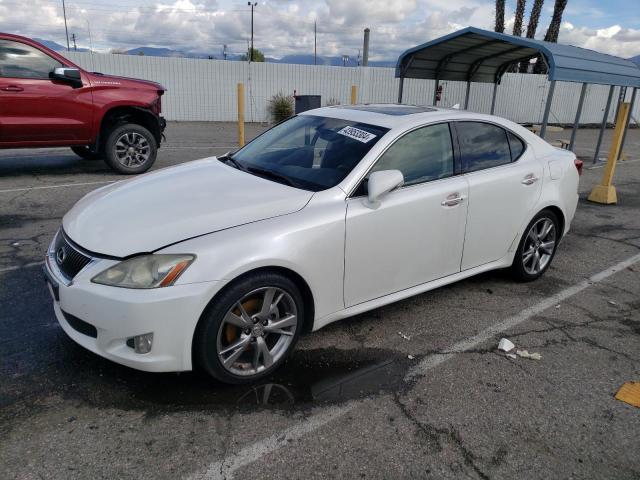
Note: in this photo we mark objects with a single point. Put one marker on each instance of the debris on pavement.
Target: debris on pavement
(526, 354)
(512, 356)
(506, 345)
(558, 306)
(406, 337)
(611, 302)
(629, 393)
(411, 357)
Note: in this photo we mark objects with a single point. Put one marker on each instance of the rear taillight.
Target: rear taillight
(579, 164)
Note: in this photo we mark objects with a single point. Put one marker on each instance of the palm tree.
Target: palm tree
(553, 30)
(517, 24)
(534, 17)
(499, 16)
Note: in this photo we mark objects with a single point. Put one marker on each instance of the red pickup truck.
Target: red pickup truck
(47, 101)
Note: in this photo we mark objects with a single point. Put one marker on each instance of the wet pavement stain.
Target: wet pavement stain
(308, 378)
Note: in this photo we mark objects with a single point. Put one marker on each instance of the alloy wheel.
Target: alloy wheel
(132, 149)
(257, 331)
(539, 246)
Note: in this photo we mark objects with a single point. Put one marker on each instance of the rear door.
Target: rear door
(36, 109)
(505, 181)
(416, 233)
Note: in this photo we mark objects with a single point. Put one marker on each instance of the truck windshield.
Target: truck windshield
(309, 152)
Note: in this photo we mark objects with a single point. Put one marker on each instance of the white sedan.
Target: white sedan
(224, 262)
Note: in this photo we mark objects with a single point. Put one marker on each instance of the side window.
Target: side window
(517, 146)
(18, 60)
(421, 155)
(482, 145)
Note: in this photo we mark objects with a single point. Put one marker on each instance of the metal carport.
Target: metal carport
(476, 55)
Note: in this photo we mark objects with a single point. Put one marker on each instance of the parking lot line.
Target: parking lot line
(226, 467)
(44, 187)
(18, 267)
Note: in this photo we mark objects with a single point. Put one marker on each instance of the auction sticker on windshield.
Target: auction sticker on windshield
(357, 134)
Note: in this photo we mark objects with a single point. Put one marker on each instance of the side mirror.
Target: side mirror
(381, 183)
(69, 75)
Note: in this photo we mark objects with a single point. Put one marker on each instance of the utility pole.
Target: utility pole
(252, 5)
(365, 48)
(73, 37)
(224, 51)
(66, 32)
(315, 50)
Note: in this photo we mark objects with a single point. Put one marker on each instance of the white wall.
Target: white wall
(206, 89)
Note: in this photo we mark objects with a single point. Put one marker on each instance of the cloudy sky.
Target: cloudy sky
(286, 27)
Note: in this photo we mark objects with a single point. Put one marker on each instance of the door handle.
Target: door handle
(452, 200)
(529, 179)
(11, 88)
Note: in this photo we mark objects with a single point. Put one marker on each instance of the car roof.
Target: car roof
(403, 117)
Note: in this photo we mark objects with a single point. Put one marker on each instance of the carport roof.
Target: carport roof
(477, 55)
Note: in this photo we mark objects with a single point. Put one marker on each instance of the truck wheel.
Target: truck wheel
(130, 149)
(86, 153)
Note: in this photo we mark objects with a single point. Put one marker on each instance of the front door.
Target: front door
(35, 108)
(416, 233)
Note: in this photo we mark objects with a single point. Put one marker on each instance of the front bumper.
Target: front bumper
(118, 314)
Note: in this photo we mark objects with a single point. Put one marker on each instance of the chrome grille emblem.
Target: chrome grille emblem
(61, 254)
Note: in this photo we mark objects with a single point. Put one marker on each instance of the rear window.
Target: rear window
(482, 145)
(517, 146)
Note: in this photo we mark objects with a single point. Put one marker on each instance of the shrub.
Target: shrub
(280, 107)
(333, 101)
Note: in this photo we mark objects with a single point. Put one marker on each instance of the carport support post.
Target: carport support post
(400, 87)
(576, 122)
(241, 114)
(604, 124)
(493, 99)
(547, 109)
(466, 95)
(626, 127)
(354, 94)
(435, 92)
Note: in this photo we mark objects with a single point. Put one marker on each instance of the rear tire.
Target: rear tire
(537, 247)
(238, 340)
(130, 149)
(86, 153)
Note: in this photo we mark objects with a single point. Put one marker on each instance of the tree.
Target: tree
(534, 17)
(553, 31)
(499, 27)
(258, 56)
(517, 24)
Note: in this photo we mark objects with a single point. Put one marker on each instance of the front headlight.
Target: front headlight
(146, 271)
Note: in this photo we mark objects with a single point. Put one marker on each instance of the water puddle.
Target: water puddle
(322, 376)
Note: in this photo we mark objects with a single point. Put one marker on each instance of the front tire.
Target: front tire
(130, 149)
(537, 247)
(250, 329)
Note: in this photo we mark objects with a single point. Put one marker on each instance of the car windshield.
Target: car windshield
(309, 152)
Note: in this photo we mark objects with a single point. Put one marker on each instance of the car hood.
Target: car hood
(161, 208)
(100, 79)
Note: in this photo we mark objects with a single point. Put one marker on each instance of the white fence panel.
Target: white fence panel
(205, 90)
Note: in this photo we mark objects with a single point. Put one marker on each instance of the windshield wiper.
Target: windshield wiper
(272, 175)
(228, 159)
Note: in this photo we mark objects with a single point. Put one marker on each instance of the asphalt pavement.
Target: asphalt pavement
(416, 389)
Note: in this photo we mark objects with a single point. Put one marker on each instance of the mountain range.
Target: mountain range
(301, 59)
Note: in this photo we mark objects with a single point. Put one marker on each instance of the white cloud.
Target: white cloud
(614, 40)
(282, 27)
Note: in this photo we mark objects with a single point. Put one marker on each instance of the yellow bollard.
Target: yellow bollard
(241, 114)
(605, 192)
(354, 94)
